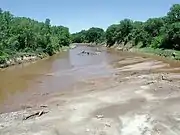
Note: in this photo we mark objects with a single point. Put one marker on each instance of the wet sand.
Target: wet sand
(117, 93)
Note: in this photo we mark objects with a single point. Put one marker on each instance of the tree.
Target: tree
(92, 35)
(124, 29)
(174, 14)
(172, 36)
(111, 35)
(162, 32)
(47, 22)
(153, 26)
(24, 35)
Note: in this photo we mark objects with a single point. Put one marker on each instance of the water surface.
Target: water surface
(23, 84)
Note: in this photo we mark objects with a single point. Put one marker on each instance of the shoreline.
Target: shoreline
(21, 59)
(166, 53)
(30, 57)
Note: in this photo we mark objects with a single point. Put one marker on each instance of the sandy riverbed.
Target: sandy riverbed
(140, 97)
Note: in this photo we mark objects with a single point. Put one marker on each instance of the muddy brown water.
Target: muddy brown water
(33, 82)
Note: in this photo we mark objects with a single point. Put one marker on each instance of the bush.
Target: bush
(157, 42)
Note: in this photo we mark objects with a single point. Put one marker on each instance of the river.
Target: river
(102, 91)
(34, 82)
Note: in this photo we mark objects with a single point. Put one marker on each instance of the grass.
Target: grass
(173, 54)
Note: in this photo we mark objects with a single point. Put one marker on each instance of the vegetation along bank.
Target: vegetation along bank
(159, 36)
(24, 39)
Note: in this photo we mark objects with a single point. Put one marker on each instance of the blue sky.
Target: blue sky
(83, 14)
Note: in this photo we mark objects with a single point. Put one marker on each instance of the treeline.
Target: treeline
(20, 35)
(92, 35)
(162, 32)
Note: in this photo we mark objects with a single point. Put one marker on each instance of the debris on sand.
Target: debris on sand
(133, 73)
(99, 116)
(165, 79)
(43, 106)
(108, 125)
(152, 82)
(38, 114)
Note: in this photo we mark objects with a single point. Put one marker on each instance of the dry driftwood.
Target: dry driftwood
(43, 106)
(165, 79)
(38, 114)
(99, 116)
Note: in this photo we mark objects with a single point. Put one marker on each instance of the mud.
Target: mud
(133, 94)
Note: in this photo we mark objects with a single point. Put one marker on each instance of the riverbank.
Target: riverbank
(167, 53)
(21, 58)
(172, 54)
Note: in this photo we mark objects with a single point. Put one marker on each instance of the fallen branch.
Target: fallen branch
(43, 106)
(38, 114)
(165, 79)
(133, 73)
(148, 83)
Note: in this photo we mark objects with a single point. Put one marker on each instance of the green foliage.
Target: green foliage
(92, 35)
(111, 35)
(173, 35)
(79, 37)
(24, 35)
(153, 26)
(174, 14)
(163, 32)
(157, 42)
(119, 33)
(124, 29)
(20, 34)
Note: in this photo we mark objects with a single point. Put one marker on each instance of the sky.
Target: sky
(83, 14)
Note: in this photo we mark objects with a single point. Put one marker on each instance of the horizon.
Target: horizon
(79, 15)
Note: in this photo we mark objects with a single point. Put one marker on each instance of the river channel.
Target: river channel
(32, 83)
